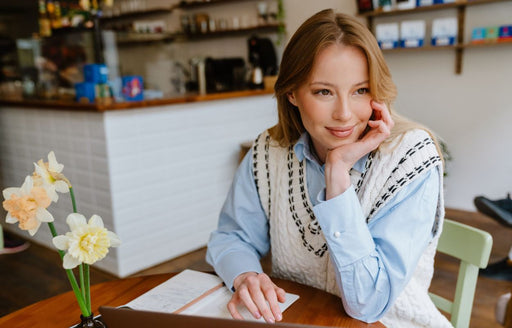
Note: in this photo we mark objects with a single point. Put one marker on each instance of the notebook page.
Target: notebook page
(176, 292)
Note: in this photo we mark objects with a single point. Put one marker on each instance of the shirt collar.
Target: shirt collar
(302, 150)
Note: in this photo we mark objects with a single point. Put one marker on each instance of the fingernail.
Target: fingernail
(257, 315)
(279, 317)
(271, 320)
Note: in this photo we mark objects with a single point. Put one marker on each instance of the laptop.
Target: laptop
(125, 317)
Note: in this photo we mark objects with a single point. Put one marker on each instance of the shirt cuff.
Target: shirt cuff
(233, 264)
(344, 226)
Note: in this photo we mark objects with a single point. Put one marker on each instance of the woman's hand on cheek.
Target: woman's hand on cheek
(340, 160)
(259, 295)
(380, 127)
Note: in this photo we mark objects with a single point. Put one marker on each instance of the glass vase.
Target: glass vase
(90, 322)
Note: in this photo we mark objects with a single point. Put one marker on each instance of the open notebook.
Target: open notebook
(194, 293)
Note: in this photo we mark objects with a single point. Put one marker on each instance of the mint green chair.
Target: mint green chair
(1, 238)
(472, 247)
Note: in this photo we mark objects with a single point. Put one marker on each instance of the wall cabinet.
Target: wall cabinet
(460, 45)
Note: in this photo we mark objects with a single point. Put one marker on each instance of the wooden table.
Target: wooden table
(314, 306)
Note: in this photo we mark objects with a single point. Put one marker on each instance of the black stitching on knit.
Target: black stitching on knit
(400, 182)
(313, 226)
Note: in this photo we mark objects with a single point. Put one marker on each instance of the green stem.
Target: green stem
(72, 280)
(72, 195)
(87, 287)
(82, 285)
(84, 268)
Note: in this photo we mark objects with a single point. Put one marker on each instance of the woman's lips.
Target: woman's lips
(341, 132)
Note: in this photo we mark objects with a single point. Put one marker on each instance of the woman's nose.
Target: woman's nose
(341, 111)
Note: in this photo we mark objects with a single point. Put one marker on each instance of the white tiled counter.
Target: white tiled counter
(156, 175)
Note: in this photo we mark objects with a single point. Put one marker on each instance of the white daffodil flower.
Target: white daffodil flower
(27, 205)
(87, 242)
(48, 175)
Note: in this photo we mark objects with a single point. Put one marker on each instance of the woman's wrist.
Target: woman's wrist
(337, 181)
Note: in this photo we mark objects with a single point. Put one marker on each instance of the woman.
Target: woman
(345, 193)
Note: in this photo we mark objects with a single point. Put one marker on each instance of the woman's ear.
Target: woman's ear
(291, 98)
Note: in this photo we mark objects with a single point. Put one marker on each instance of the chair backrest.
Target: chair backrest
(1, 238)
(473, 247)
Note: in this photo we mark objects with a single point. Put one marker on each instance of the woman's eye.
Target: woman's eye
(323, 92)
(362, 91)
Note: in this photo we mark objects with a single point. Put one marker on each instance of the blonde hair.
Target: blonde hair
(320, 31)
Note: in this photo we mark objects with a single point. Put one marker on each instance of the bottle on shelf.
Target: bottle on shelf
(256, 76)
(50, 9)
(45, 28)
(57, 17)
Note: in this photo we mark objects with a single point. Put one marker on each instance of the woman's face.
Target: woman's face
(334, 103)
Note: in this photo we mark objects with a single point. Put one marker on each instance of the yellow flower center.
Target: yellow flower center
(49, 177)
(89, 244)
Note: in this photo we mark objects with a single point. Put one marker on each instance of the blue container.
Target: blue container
(96, 73)
(85, 91)
(133, 89)
(443, 41)
(478, 34)
(411, 43)
(391, 44)
(505, 32)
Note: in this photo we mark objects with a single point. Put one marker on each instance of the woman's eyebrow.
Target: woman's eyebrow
(329, 84)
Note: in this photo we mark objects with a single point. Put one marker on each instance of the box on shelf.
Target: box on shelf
(420, 3)
(505, 33)
(132, 88)
(155, 26)
(405, 4)
(444, 31)
(412, 33)
(387, 35)
(385, 5)
(88, 92)
(491, 33)
(478, 35)
(96, 73)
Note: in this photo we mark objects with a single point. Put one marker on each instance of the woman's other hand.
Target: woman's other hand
(340, 160)
(259, 295)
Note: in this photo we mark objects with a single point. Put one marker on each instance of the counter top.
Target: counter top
(96, 107)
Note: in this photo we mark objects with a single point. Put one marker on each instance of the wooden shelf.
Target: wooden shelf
(198, 3)
(424, 48)
(227, 33)
(165, 10)
(137, 14)
(450, 47)
(486, 44)
(442, 6)
(145, 38)
(125, 39)
(459, 47)
(396, 12)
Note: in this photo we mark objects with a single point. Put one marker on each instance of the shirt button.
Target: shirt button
(337, 234)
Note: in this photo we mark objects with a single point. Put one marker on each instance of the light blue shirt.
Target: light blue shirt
(373, 261)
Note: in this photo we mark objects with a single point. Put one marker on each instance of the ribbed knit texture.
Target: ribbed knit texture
(299, 249)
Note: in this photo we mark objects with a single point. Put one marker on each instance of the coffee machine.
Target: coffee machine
(263, 60)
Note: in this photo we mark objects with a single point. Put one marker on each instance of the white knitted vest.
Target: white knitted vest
(299, 249)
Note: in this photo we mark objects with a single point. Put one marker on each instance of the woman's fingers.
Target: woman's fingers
(382, 113)
(269, 291)
(261, 302)
(281, 294)
(232, 307)
(247, 299)
(259, 295)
